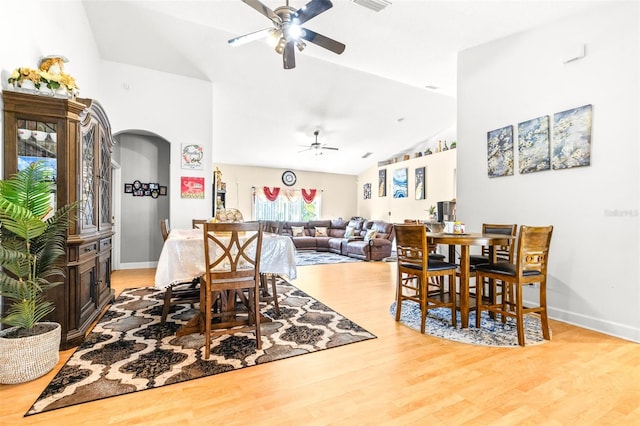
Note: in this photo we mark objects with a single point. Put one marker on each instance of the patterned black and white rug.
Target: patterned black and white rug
(129, 350)
(490, 333)
(309, 257)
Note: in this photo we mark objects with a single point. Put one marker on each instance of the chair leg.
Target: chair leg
(479, 295)
(274, 292)
(519, 315)
(544, 320)
(399, 297)
(452, 296)
(422, 285)
(167, 304)
(256, 317)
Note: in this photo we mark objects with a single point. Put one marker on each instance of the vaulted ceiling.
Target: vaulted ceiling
(371, 99)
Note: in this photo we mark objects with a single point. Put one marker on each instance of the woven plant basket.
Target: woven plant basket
(27, 358)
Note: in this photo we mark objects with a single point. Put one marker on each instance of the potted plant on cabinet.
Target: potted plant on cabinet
(32, 241)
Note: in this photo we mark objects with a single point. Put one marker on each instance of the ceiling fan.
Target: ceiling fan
(316, 146)
(287, 29)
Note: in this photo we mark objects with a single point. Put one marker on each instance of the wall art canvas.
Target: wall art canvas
(400, 183)
(500, 152)
(192, 156)
(366, 191)
(382, 183)
(533, 145)
(192, 187)
(421, 183)
(571, 145)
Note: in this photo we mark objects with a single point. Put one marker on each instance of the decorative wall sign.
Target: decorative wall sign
(572, 138)
(400, 183)
(500, 152)
(366, 191)
(421, 183)
(192, 187)
(192, 156)
(382, 183)
(533, 145)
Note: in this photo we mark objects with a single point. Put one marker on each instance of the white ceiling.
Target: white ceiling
(263, 113)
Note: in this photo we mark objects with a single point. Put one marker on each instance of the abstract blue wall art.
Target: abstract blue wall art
(500, 152)
(533, 145)
(571, 145)
(400, 183)
(382, 183)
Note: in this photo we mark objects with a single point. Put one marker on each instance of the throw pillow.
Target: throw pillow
(297, 231)
(371, 234)
(348, 232)
(321, 231)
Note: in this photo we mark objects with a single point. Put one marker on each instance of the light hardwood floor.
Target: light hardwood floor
(400, 378)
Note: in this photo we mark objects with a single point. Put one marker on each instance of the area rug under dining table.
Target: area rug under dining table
(129, 350)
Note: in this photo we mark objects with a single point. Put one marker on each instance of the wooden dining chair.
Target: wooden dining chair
(232, 275)
(502, 252)
(415, 270)
(433, 248)
(530, 267)
(177, 294)
(197, 223)
(164, 228)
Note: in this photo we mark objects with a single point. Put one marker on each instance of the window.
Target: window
(286, 204)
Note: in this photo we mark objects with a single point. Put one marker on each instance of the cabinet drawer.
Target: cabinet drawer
(88, 250)
(105, 244)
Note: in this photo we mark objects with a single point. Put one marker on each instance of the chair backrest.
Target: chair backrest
(502, 252)
(411, 245)
(411, 221)
(533, 248)
(232, 251)
(229, 215)
(164, 228)
(198, 223)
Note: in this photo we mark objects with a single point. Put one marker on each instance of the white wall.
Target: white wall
(593, 271)
(339, 197)
(440, 178)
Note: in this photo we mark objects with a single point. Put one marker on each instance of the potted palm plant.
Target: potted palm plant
(32, 244)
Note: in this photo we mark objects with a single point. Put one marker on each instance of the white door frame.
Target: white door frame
(116, 205)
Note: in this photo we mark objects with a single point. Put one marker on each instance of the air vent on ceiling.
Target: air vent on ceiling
(375, 5)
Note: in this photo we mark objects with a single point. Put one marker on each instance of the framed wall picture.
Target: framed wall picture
(192, 187)
(421, 183)
(500, 152)
(533, 145)
(191, 156)
(382, 183)
(571, 145)
(400, 183)
(163, 190)
(366, 191)
(128, 188)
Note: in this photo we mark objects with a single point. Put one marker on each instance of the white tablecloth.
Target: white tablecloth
(182, 257)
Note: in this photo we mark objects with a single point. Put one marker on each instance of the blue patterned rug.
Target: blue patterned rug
(491, 332)
(304, 258)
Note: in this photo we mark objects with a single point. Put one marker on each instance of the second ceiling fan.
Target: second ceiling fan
(316, 146)
(287, 29)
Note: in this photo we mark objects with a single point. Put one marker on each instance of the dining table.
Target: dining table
(182, 260)
(465, 241)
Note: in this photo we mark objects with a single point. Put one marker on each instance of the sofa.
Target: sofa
(357, 238)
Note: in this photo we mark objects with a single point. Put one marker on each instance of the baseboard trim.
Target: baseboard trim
(611, 328)
(138, 265)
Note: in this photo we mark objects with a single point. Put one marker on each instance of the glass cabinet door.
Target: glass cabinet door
(38, 141)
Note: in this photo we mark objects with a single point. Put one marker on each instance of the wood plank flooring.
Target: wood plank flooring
(400, 378)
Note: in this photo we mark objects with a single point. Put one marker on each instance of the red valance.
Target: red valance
(271, 194)
(308, 197)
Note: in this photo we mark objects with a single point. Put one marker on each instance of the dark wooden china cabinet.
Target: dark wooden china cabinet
(73, 137)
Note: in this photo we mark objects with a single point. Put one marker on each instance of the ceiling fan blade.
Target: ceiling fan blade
(310, 10)
(330, 147)
(323, 41)
(303, 150)
(288, 56)
(264, 10)
(257, 35)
